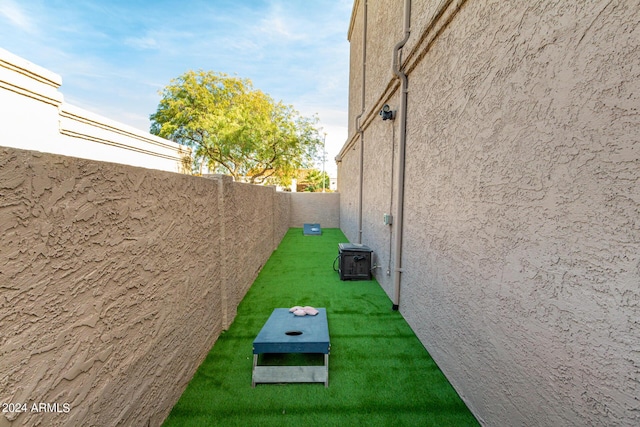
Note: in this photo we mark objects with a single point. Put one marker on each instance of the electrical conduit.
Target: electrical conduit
(359, 128)
(402, 116)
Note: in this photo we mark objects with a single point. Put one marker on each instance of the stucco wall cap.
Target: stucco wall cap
(36, 72)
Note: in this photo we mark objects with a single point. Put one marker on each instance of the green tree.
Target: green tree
(314, 181)
(235, 129)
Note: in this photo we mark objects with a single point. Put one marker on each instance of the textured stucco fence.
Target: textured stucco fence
(315, 208)
(521, 244)
(115, 281)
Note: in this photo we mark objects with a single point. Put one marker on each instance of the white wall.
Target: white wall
(34, 116)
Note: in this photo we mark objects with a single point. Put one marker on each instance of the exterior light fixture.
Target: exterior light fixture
(387, 113)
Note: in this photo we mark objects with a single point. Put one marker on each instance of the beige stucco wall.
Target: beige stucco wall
(115, 282)
(315, 208)
(521, 254)
(348, 185)
(281, 215)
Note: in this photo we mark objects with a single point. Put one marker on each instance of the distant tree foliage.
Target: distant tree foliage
(315, 181)
(235, 129)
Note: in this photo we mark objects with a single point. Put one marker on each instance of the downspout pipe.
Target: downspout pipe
(360, 185)
(402, 116)
(359, 128)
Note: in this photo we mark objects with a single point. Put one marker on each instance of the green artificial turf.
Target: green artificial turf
(379, 372)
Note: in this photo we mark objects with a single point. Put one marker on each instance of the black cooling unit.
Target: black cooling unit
(354, 261)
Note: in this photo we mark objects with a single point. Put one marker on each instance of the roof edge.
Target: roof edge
(354, 11)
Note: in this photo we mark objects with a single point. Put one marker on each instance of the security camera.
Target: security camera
(387, 113)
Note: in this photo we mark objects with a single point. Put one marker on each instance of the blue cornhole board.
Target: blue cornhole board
(285, 332)
(312, 230)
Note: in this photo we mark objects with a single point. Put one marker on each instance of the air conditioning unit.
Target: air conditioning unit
(354, 261)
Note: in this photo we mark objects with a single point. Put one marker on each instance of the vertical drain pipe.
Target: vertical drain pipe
(358, 124)
(401, 154)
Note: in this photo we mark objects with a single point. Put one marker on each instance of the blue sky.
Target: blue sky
(115, 55)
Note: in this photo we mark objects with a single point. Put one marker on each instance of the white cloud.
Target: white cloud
(142, 43)
(12, 11)
(281, 25)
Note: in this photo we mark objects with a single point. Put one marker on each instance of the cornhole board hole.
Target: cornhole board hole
(285, 333)
(312, 230)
